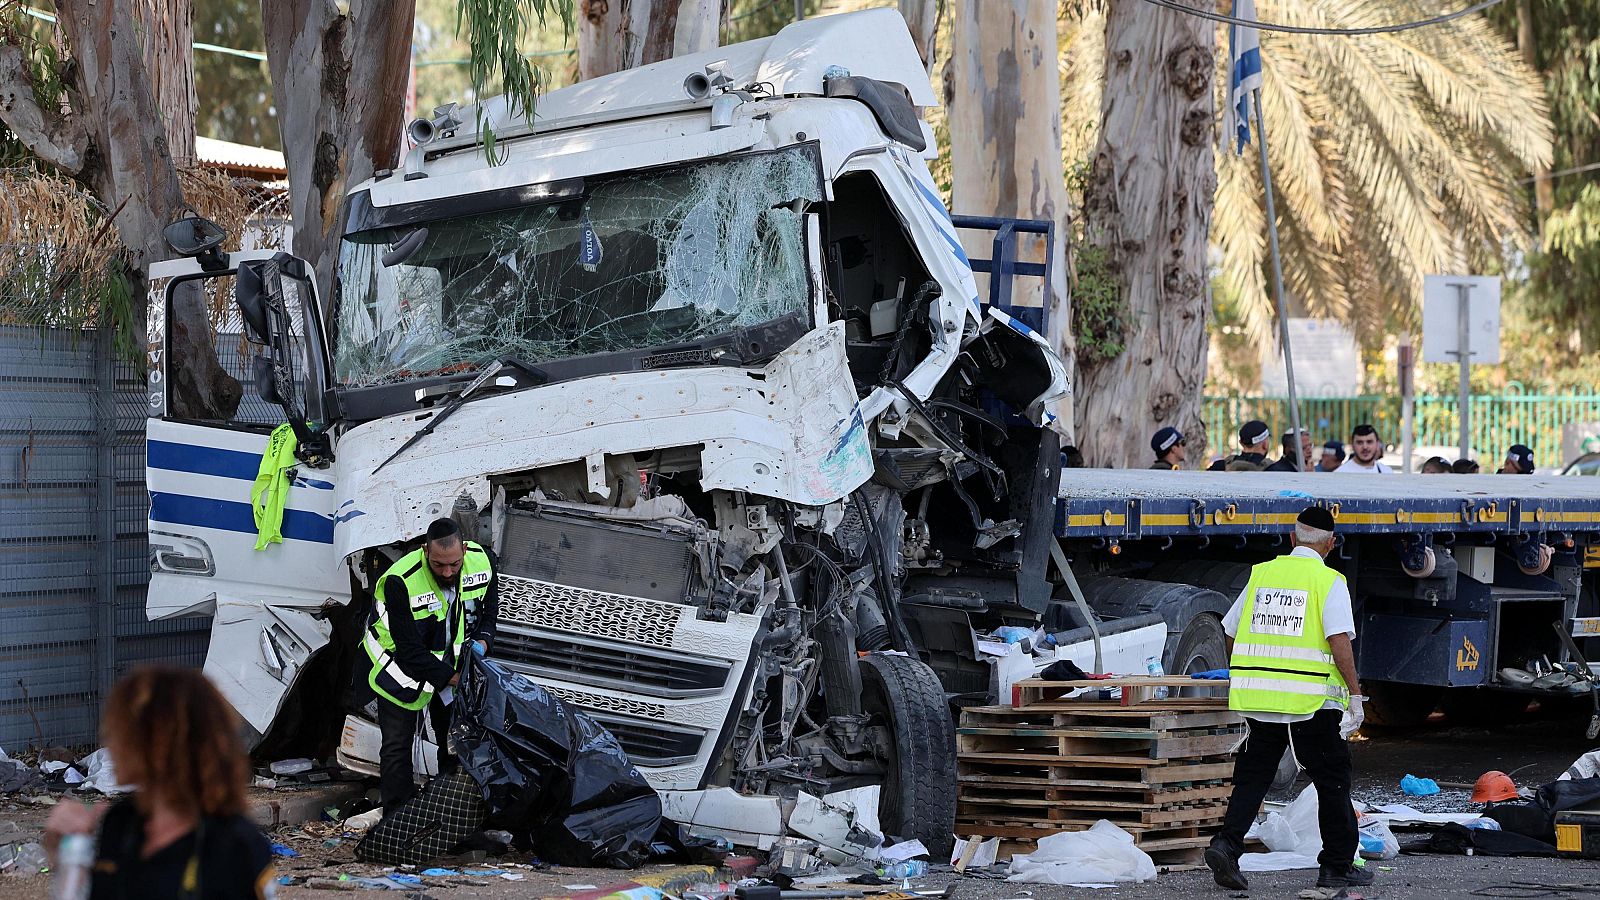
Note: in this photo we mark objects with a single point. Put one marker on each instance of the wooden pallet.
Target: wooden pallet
(1049, 763)
(1134, 690)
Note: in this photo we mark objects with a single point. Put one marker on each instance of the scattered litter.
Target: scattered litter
(578, 887)
(72, 776)
(512, 876)
(100, 775)
(483, 872)
(24, 859)
(1419, 787)
(364, 821)
(911, 868)
(1377, 841)
(284, 850)
(291, 766)
(983, 855)
(439, 873)
(1276, 861)
(1102, 855)
(903, 851)
(1404, 814)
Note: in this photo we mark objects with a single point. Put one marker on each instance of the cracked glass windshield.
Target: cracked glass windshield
(638, 261)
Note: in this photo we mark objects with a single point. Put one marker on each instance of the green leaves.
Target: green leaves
(491, 29)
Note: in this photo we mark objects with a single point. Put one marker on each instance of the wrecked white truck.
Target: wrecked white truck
(700, 356)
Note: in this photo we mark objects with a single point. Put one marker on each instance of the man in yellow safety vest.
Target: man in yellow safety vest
(1292, 674)
(426, 608)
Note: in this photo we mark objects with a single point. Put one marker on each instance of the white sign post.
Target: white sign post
(1461, 324)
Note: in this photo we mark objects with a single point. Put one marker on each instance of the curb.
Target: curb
(273, 809)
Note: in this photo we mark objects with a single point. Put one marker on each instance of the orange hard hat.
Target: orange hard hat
(1493, 787)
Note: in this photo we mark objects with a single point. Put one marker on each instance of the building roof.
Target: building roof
(241, 159)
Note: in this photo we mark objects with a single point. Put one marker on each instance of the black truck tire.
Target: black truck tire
(1392, 704)
(918, 799)
(1201, 647)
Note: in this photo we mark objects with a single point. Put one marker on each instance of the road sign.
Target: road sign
(1327, 361)
(1441, 318)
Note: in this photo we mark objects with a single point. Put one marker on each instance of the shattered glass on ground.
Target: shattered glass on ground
(639, 261)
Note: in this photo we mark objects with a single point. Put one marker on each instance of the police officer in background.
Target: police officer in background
(427, 606)
(1252, 456)
(1293, 676)
(1170, 449)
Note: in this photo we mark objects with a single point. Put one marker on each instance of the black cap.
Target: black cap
(1164, 439)
(1522, 456)
(1336, 447)
(1316, 517)
(1254, 432)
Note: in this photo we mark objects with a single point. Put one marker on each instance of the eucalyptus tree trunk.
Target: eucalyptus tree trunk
(614, 35)
(1003, 95)
(339, 85)
(113, 140)
(1147, 207)
(167, 31)
(922, 18)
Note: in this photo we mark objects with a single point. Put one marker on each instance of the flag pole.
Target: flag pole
(1277, 286)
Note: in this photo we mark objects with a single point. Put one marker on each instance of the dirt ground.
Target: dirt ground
(1533, 752)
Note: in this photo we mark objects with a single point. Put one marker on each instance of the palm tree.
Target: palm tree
(1393, 155)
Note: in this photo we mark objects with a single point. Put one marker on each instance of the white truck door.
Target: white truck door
(266, 603)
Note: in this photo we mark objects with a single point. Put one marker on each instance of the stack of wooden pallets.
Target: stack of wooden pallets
(1052, 761)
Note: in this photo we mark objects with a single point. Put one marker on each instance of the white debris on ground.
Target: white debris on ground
(1448, 800)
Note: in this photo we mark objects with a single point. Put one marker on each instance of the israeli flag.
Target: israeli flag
(1244, 73)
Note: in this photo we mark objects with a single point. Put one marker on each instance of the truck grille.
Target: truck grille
(650, 743)
(601, 663)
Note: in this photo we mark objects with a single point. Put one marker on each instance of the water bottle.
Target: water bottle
(74, 858)
(911, 868)
(1152, 665)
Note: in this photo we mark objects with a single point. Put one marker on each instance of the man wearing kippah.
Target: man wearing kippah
(1252, 456)
(1292, 674)
(1168, 446)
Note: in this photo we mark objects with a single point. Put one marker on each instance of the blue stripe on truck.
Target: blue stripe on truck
(229, 515)
(201, 460)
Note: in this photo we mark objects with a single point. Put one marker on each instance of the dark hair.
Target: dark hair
(1291, 441)
(1363, 430)
(1439, 463)
(173, 735)
(1072, 457)
(1464, 466)
(443, 531)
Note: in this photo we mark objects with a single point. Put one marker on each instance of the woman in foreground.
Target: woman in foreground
(181, 833)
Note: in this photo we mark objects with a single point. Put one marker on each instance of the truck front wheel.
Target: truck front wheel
(918, 799)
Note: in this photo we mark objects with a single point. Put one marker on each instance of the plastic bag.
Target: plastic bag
(1295, 829)
(1419, 787)
(1103, 854)
(100, 775)
(550, 771)
(1378, 841)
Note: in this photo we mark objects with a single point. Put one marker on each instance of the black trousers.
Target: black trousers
(1326, 758)
(396, 779)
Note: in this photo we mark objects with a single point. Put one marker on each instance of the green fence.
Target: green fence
(1497, 421)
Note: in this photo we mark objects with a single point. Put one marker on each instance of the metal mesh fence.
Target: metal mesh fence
(73, 506)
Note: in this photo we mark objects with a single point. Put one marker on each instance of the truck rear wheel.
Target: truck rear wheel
(918, 799)
(1392, 704)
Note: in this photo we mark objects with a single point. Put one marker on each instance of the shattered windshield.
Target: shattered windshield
(639, 260)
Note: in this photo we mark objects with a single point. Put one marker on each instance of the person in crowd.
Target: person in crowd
(1252, 455)
(1366, 452)
(1464, 466)
(1332, 456)
(1436, 465)
(1168, 445)
(1519, 461)
(1294, 452)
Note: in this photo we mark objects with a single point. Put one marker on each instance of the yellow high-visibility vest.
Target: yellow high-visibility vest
(1281, 661)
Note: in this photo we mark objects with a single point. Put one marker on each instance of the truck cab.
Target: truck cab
(697, 350)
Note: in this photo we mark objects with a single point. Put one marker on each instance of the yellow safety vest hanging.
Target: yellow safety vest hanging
(271, 489)
(1281, 661)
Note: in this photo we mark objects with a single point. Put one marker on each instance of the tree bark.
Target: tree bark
(614, 35)
(1148, 204)
(1004, 98)
(114, 142)
(339, 84)
(1544, 190)
(922, 17)
(167, 30)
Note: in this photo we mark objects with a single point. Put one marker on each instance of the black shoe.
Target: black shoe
(1225, 867)
(1347, 876)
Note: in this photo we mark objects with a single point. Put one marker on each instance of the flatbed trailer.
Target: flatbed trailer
(1453, 593)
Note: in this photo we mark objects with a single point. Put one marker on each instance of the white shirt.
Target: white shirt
(1337, 618)
(1377, 467)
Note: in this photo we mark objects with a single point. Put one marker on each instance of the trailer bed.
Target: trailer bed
(1129, 504)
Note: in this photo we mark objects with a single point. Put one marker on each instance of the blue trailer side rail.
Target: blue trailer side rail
(1130, 505)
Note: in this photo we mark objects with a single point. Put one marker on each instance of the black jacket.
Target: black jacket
(414, 642)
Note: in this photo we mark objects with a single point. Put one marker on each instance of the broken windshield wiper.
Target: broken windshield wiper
(467, 393)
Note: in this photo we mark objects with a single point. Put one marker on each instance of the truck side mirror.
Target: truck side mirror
(266, 375)
(247, 295)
